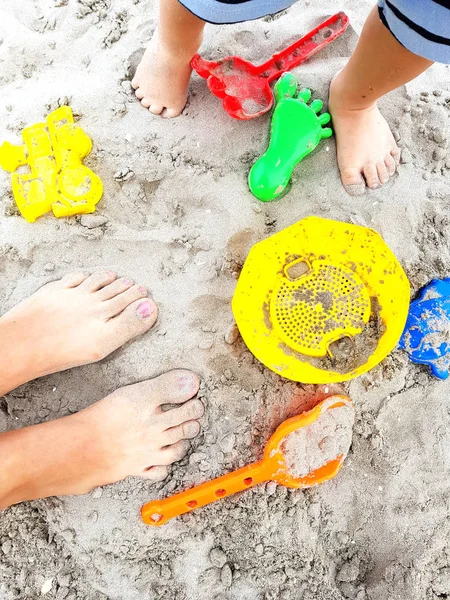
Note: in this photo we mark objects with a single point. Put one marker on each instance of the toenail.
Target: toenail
(127, 282)
(145, 309)
(186, 383)
(111, 273)
(191, 429)
(198, 407)
(142, 289)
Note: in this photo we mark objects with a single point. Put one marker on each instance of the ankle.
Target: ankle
(346, 97)
(44, 460)
(183, 50)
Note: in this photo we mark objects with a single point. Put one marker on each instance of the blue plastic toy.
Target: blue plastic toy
(426, 337)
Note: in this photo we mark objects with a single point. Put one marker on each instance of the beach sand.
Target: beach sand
(179, 218)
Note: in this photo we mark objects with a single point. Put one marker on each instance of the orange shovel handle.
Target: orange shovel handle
(159, 512)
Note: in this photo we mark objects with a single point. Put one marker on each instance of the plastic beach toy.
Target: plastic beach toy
(296, 131)
(273, 467)
(426, 338)
(321, 301)
(58, 180)
(245, 87)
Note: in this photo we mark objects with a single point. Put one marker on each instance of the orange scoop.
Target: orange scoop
(272, 467)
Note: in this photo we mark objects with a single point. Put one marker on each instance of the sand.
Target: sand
(313, 446)
(178, 217)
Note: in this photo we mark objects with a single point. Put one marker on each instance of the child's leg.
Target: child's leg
(127, 433)
(162, 78)
(366, 150)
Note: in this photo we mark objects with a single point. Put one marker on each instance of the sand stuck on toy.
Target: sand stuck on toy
(309, 448)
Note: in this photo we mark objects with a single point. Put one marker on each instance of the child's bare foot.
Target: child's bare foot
(74, 321)
(126, 433)
(162, 79)
(366, 150)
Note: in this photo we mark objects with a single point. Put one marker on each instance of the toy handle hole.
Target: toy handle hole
(156, 517)
(341, 348)
(297, 269)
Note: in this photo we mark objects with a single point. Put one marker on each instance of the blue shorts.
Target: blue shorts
(234, 11)
(421, 26)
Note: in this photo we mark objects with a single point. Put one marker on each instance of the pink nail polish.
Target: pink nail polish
(145, 309)
(142, 289)
(185, 382)
(128, 282)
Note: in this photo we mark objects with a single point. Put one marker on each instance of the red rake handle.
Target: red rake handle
(305, 47)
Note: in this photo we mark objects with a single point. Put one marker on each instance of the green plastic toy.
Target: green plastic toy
(296, 130)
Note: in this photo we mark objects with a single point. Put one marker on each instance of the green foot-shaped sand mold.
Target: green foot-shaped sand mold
(297, 129)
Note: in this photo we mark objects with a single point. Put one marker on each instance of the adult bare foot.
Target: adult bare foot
(74, 321)
(366, 150)
(162, 79)
(126, 433)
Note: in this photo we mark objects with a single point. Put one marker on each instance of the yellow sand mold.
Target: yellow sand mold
(57, 181)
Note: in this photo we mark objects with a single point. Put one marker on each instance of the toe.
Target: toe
(146, 102)
(382, 171)
(189, 411)
(72, 280)
(156, 109)
(396, 153)
(172, 112)
(353, 181)
(116, 305)
(371, 175)
(390, 164)
(134, 83)
(185, 431)
(136, 319)
(115, 288)
(139, 93)
(97, 281)
(173, 453)
(158, 473)
(174, 387)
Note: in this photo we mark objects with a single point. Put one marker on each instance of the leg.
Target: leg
(127, 433)
(162, 78)
(71, 322)
(366, 148)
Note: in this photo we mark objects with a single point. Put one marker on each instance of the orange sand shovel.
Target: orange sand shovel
(273, 466)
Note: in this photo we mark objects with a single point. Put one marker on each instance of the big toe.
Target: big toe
(137, 318)
(175, 387)
(353, 181)
(171, 113)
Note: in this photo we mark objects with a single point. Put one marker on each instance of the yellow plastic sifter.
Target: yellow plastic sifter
(57, 180)
(321, 301)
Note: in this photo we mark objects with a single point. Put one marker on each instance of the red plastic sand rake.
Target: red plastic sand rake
(245, 88)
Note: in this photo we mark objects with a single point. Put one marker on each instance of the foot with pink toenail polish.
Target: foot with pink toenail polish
(137, 430)
(71, 322)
